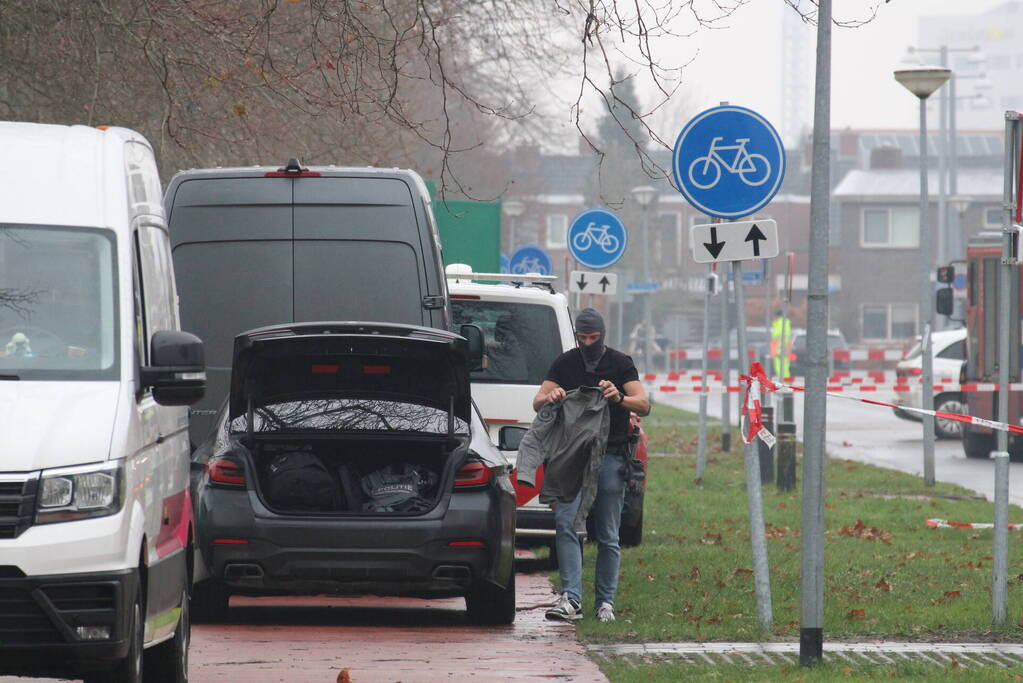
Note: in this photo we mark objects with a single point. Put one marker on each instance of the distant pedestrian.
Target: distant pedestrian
(781, 344)
(593, 364)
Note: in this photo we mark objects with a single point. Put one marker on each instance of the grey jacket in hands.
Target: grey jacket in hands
(569, 438)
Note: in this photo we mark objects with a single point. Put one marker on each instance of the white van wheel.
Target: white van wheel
(168, 662)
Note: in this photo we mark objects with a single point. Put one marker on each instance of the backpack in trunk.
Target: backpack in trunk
(300, 481)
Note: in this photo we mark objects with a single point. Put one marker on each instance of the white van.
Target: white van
(95, 514)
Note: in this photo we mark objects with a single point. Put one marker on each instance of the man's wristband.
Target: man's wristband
(621, 398)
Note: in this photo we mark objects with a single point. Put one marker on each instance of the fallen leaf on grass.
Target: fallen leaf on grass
(860, 530)
(742, 570)
(783, 506)
(883, 585)
(856, 614)
(694, 573)
(711, 539)
(953, 594)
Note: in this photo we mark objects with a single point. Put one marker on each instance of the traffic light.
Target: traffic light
(946, 274)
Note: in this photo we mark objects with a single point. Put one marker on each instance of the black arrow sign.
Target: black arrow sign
(714, 247)
(582, 282)
(755, 236)
(604, 282)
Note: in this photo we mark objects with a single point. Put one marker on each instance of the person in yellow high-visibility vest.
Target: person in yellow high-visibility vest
(781, 344)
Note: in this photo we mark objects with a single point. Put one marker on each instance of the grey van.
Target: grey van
(258, 246)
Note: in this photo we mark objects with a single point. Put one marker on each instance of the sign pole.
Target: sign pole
(754, 495)
(726, 364)
(701, 443)
(811, 622)
(1006, 319)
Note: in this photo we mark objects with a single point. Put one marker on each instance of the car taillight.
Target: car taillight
(916, 372)
(472, 474)
(226, 472)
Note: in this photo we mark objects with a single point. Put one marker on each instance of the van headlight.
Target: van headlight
(79, 492)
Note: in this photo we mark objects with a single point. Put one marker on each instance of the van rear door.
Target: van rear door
(234, 258)
(357, 251)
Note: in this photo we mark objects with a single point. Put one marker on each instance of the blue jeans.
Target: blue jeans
(607, 516)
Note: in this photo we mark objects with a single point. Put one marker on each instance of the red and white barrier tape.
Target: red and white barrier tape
(756, 374)
(836, 387)
(716, 353)
(946, 524)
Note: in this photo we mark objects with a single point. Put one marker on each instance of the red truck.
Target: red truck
(983, 273)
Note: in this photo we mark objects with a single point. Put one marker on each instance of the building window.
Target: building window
(557, 231)
(891, 228)
(889, 321)
(992, 217)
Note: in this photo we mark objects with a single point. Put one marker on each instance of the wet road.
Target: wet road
(872, 434)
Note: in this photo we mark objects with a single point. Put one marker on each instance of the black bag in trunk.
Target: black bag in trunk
(300, 481)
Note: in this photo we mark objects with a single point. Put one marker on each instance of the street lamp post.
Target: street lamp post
(512, 208)
(922, 81)
(644, 196)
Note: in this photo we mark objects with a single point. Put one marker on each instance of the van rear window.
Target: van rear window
(522, 340)
(58, 303)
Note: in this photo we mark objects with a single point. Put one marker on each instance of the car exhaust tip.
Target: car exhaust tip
(243, 572)
(452, 572)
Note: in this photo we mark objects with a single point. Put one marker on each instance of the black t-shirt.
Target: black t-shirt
(569, 372)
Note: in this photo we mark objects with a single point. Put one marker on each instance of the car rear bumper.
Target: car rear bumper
(430, 556)
(40, 615)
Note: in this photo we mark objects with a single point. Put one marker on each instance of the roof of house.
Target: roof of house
(905, 182)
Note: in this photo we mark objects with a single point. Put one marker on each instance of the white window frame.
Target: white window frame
(888, 319)
(998, 214)
(551, 220)
(888, 244)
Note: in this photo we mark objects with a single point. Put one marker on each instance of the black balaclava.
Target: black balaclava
(588, 321)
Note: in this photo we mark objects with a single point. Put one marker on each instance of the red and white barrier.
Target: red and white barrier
(946, 524)
(758, 379)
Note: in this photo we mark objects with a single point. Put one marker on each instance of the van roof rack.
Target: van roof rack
(461, 271)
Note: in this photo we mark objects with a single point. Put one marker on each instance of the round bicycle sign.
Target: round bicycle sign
(728, 161)
(597, 238)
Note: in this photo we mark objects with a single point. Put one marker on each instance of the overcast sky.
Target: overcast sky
(742, 64)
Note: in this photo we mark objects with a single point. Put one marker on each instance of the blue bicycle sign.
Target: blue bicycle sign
(597, 238)
(530, 259)
(728, 161)
(752, 169)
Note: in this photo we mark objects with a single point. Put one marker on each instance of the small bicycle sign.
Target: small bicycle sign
(752, 169)
(728, 162)
(530, 259)
(597, 238)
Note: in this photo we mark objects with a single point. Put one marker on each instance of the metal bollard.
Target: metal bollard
(766, 453)
(786, 456)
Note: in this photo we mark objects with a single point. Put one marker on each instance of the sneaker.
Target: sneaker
(565, 609)
(606, 612)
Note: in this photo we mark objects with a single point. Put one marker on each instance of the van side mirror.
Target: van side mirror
(474, 335)
(944, 301)
(509, 438)
(177, 372)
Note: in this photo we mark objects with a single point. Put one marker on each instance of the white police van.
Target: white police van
(95, 518)
(526, 325)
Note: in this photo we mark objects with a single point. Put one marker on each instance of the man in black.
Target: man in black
(594, 364)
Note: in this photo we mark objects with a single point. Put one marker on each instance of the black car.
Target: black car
(349, 459)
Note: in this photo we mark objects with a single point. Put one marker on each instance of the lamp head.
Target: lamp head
(644, 194)
(922, 80)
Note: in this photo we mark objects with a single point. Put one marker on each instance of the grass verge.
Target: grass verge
(887, 575)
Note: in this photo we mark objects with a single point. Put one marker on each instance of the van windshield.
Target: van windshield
(58, 303)
(522, 340)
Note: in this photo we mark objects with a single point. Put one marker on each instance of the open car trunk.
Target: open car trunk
(354, 476)
(350, 418)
